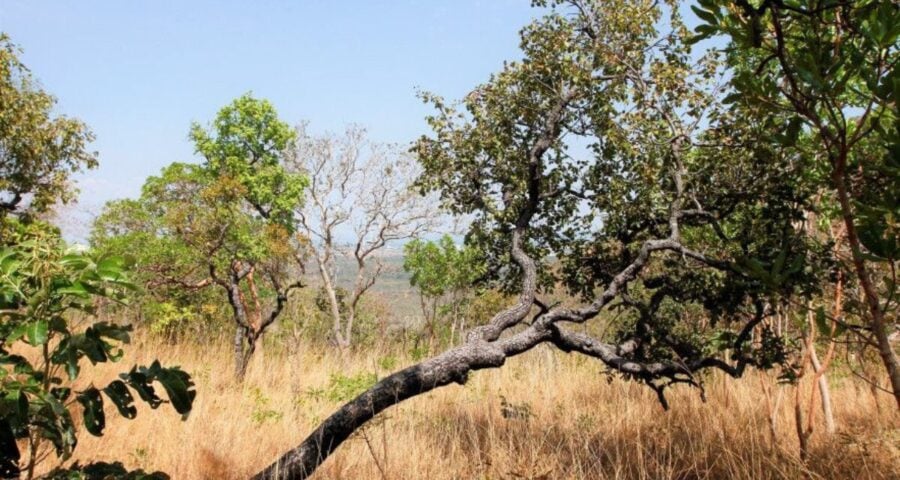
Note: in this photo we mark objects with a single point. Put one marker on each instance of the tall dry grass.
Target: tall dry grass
(568, 420)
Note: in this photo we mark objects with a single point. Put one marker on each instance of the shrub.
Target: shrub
(44, 286)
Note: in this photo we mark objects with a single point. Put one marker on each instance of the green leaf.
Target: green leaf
(94, 418)
(17, 333)
(75, 261)
(702, 33)
(109, 330)
(178, 385)
(76, 289)
(58, 427)
(37, 332)
(22, 406)
(140, 382)
(704, 15)
(122, 398)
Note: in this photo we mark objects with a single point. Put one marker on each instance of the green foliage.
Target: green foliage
(387, 363)
(261, 412)
(102, 471)
(343, 388)
(208, 225)
(418, 352)
(38, 151)
(445, 276)
(170, 320)
(827, 74)
(587, 145)
(43, 285)
(323, 304)
(246, 142)
(438, 268)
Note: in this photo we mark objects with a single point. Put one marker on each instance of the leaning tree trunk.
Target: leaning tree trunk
(449, 367)
(876, 315)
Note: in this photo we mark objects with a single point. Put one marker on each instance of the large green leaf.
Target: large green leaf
(37, 332)
(140, 382)
(94, 418)
(121, 397)
(178, 386)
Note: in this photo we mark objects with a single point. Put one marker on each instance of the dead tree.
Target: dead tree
(359, 200)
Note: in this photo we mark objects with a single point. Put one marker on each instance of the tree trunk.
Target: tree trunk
(802, 434)
(240, 360)
(824, 393)
(876, 316)
(334, 306)
(452, 366)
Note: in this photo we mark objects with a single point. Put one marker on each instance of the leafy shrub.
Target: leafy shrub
(342, 388)
(261, 412)
(43, 286)
(387, 363)
(103, 471)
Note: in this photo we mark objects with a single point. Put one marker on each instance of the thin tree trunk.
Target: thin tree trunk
(335, 306)
(240, 366)
(802, 435)
(876, 316)
(824, 393)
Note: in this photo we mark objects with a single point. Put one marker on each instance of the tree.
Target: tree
(44, 286)
(226, 223)
(360, 198)
(445, 276)
(604, 161)
(38, 151)
(835, 67)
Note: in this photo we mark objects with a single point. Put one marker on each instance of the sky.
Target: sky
(138, 73)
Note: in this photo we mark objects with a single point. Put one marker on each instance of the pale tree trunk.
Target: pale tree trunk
(334, 305)
(824, 393)
(819, 384)
(772, 408)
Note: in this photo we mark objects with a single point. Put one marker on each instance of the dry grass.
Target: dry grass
(579, 425)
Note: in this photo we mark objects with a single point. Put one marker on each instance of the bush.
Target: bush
(43, 287)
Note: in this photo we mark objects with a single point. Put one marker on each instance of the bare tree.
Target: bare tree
(360, 199)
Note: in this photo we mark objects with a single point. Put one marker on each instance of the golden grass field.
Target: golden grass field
(578, 425)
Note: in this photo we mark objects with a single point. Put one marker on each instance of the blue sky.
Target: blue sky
(140, 72)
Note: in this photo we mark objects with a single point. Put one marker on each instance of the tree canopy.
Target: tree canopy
(606, 162)
(831, 72)
(226, 222)
(38, 149)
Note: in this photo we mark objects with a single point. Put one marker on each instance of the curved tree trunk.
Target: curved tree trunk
(876, 315)
(824, 392)
(452, 366)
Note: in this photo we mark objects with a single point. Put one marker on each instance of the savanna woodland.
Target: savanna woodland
(661, 243)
